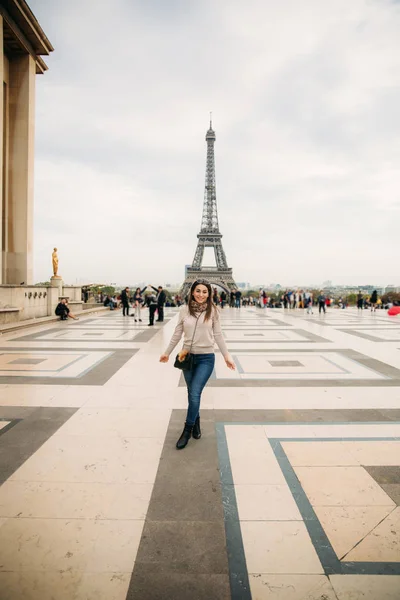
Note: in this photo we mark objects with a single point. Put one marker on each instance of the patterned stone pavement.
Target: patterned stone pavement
(292, 493)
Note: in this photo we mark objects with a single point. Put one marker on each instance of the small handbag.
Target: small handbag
(186, 364)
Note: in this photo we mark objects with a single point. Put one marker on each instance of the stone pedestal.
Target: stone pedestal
(57, 282)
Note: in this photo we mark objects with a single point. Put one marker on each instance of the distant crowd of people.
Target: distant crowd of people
(156, 300)
(291, 299)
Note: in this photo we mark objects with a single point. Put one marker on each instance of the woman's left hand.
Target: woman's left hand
(229, 362)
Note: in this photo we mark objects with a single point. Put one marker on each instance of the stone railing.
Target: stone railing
(22, 302)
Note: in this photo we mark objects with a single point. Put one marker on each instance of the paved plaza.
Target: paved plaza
(292, 493)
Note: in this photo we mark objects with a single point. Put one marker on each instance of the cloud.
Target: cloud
(304, 98)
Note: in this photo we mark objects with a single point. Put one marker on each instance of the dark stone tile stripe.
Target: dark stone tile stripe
(238, 575)
(9, 425)
(384, 474)
(182, 552)
(279, 416)
(392, 490)
(369, 337)
(330, 562)
(32, 428)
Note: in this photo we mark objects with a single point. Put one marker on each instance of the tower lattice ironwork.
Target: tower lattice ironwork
(209, 235)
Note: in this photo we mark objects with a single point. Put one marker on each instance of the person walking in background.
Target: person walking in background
(215, 297)
(137, 303)
(308, 304)
(321, 303)
(238, 296)
(296, 299)
(360, 302)
(373, 300)
(223, 298)
(161, 297)
(232, 299)
(125, 302)
(285, 300)
(199, 322)
(265, 299)
(151, 302)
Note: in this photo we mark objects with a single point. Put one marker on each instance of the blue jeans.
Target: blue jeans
(196, 379)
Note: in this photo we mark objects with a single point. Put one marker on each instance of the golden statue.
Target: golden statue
(54, 258)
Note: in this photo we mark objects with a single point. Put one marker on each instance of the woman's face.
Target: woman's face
(200, 293)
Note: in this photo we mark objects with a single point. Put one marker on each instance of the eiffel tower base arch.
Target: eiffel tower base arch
(221, 277)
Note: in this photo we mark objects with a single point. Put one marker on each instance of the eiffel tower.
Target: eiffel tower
(209, 235)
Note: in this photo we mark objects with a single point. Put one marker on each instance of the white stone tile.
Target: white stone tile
(341, 486)
(366, 587)
(346, 526)
(355, 430)
(245, 433)
(29, 395)
(104, 586)
(375, 453)
(316, 454)
(279, 547)
(91, 459)
(291, 587)
(382, 544)
(266, 503)
(70, 500)
(80, 544)
(125, 422)
(290, 430)
(255, 468)
(66, 585)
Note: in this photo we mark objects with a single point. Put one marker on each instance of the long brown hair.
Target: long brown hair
(210, 307)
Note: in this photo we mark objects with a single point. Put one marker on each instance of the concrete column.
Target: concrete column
(2, 199)
(20, 173)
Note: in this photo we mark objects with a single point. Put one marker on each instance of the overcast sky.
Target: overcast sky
(305, 99)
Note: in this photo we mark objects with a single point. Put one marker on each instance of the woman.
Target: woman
(137, 303)
(63, 311)
(373, 300)
(200, 324)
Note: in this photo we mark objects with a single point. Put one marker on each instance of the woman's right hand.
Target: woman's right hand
(164, 358)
